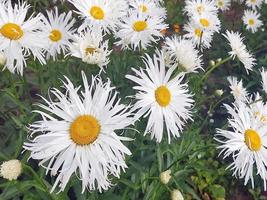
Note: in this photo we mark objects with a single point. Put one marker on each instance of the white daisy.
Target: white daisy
(184, 52)
(223, 4)
(208, 22)
(77, 134)
(264, 80)
(239, 49)
(165, 100)
(90, 46)
(254, 4)
(105, 14)
(20, 37)
(139, 31)
(237, 90)
(201, 38)
(252, 21)
(59, 30)
(199, 7)
(246, 142)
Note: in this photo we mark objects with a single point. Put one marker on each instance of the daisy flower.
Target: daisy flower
(237, 90)
(60, 32)
(264, 80)
(76, 134)
(201, 38)
(199, 7)
(138, 30)
(165, 100)
(208, 22)
(184, 52)
(251, 20)
(223, 4)
(254, 4)
(149, 7)
(105, 14)
(20, 37)
(239, 49)
(91, 48)
(245, 142)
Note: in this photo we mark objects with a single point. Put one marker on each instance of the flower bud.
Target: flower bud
(165, 176)
(176, 195)
(11, 169)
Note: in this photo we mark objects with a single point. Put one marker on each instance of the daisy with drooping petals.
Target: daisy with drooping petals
(246, 142)
(254, 4)
(165, 100)
(237, 90)
(239, 49)
(251, 20)
(105, 14)
(199, 7)
(60, 32)
(91, 48)
(77, 135)
(223, 5)
(20, 37)
(185, 54)
(138, 30)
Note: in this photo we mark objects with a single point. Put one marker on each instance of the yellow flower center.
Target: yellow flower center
(97, 13)
(55, 35)
(84, 130)
(204, 22)
(253, 1)
(90, 50)
(198, 32)
(252, 140)
(11, 31)
(200, 9)
(163, 96)
(220, 3)
(139, 26)
(143, 8)
(251, 22)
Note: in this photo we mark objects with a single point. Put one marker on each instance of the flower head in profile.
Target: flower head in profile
(166, 101)
(252, 21)
(237, 90)
(239, 49)
(76, 134)
(20, 37)
(245, 142)
(59, 28)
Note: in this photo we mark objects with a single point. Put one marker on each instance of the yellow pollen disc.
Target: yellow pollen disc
(252, 140)
(84, 130)
(251, 22)
(163, 96)
(11, 31)
(200, 9)
(143, 8)
(90, 50)
(204, 22)
(55, 35)
(253, 1)
(97, 13)
(220, 3)
(198, 32)
(139, 26)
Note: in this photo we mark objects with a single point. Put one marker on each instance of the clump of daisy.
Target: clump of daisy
(20, 37)
(252, 21)
(184, 52)
(245, 142)
(237, 90)
(164, 99)
(239, 49)
(90, 46)
(11, 169)
(138, 31)
(59, 28)
(76, 134)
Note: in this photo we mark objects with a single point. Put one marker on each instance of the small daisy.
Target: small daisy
(76, 134)
(105, 14)
(245, 142)
(223, 5)
(165, 100)
(252, 21)
(20, 37)
(254, 4)
(60, 32)
(201, 38)
(91, 48)
(237, 90)
(184, 52)
(264, 80)
(239, 50)
(208, 22)
(199, 7)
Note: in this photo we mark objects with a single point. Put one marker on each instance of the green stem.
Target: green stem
(214, 67)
